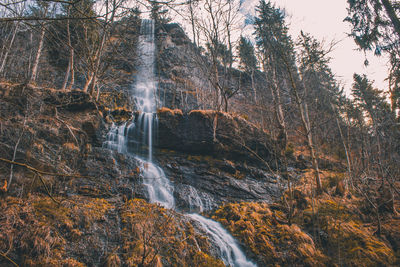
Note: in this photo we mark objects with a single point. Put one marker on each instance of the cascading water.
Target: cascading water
(137, 138)
(227, 245)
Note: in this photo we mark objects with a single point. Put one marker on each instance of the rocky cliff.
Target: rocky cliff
(76, 203)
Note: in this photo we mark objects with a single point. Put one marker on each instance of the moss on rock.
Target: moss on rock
(273, 243)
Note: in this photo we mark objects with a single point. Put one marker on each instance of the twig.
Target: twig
(10, 260)
(251, 151)
(69, 128)
(47, 189)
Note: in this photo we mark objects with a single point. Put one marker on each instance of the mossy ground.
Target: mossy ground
(152, 234)
(39, 232)
(325, 230)
(91, 225)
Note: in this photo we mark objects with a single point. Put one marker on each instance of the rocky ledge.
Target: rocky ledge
(219, 134)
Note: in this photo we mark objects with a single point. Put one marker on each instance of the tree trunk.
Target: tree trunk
(3, 63)
(225, 102)
(37, 58)
(71, 69)
(306, 124)
(253, 86)
(392, 15)
(66, 77)
(192, 22)
(346, 184)
(88, 81)
(278, 112)
(93, 85)
(97, 64)
(303, 109)
(98, 93)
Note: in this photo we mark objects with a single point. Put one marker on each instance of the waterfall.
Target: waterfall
(136, 138)
(227, 245)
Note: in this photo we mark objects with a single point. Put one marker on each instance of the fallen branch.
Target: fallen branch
(43, 172)
(15, 153)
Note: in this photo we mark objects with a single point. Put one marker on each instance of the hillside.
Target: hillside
(69, 193)
(123, 142)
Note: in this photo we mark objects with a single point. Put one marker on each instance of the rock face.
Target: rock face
(202, 183)
(181, 79)
(208, 170)
(184, 72)
(209, 132)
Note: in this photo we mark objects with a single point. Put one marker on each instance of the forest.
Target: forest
(190, 133)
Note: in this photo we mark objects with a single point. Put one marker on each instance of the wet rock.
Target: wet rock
(202, 183)
(121, 114)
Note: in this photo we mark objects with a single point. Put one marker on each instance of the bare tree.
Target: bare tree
(42, 11)
(215, 29)
(112, 9)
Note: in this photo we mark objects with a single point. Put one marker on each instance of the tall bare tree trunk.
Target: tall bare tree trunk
(303, 109)
(192, 21)
(37, 58)
(346, 150)
(253, 86)
(71, 68)
(97, 62)
(100, 49)
(306, 124)
(8, 49)
(278, 112)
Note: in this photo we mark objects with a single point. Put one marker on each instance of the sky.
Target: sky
(323, 19)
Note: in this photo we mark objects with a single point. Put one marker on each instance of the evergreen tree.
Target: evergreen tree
(159, 13)
(320, 86)
(376, 27)
(248, 59)
(272, 38)
(382, 149)
(373, 103)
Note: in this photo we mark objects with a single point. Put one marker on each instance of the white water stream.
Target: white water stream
(159, 188)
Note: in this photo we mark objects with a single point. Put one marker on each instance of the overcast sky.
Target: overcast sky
(324, 20)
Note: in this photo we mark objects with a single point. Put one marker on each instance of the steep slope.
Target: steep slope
(67, 203)
(73, 192)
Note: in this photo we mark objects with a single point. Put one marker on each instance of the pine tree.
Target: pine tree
(248, 61)
(376, 27)
(159, 13)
